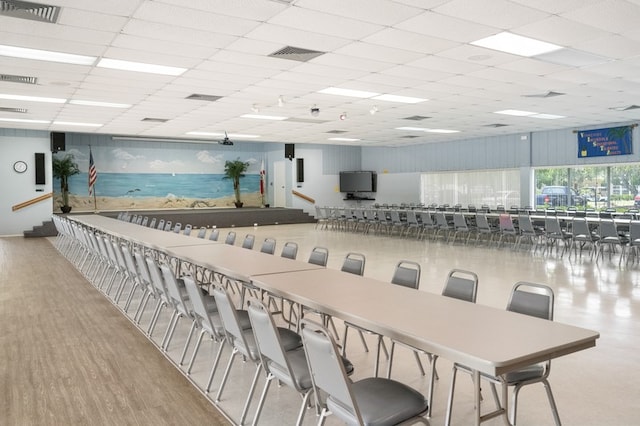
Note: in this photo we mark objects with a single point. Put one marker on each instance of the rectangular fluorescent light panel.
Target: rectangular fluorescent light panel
(344, 139)
(515, 112)
(264, 117)
(32, 98)
(231, 135)
(117, 64)
(401, 99)
(72, 123)
(516, 44)
(45, 55)
(99, 104)
(22, 120)
(426, 130)
(548, 116)
(348, 92)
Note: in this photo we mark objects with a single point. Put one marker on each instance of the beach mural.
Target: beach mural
(140, 175)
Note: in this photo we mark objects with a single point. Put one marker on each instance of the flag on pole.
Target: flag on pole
(93, 173)
(262, 176)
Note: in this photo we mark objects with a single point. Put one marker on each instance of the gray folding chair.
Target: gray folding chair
(231, 238)
(268, 246)
(526, 298)
(369, 401)
(177, 228)
(248, 241)
(582, 236)
(187, 229)
(319, 256)
(215, 234)
(202, 232)
(244, 343)
(290, 250)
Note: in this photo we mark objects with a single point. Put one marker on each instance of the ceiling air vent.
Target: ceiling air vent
(337, 132)
(549, 94)
(10, 109)
(18, 79)
(416, 117)
(306, 120)
(409, 136)
(27, 10)
(201, 97)
(156, 120)
(496, 125)
(626, 108)
(296, 54)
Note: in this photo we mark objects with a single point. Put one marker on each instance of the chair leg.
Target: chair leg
(452, 388)
(214, 367)
(263, 396)
(186, 343)
(252, 389)
(225, 376)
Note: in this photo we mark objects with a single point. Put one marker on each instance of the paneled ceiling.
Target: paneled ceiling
(412, 48)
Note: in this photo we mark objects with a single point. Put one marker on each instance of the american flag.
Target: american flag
(93, 173)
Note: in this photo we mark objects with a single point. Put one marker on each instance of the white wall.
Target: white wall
(20, 187)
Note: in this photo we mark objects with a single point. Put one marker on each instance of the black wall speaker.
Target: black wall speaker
(57, 141)
(40, 173)
(289, 151)
(300, 169)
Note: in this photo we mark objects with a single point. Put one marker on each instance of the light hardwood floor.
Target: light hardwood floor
(592, 387)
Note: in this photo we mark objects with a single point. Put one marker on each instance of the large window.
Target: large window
(593, 187)
(490, 187)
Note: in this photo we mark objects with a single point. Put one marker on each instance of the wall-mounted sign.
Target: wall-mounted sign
(601, 142)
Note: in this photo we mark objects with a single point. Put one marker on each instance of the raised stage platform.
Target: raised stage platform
(226, 218)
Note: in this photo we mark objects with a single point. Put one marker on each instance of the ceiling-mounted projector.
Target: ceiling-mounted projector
(226, 140)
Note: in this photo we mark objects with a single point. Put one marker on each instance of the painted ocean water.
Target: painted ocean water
(140, 185)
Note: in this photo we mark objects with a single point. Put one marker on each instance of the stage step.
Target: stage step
(47, 229)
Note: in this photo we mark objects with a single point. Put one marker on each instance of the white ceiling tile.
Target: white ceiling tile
(190, 36)
(496, 13)
(296, 37)
(408, 40)
(614, 46)
(378, 53)
(554, 6)
(382, 12)
(611, 15)
(446, 27)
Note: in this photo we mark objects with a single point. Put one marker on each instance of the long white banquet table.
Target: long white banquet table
(236, 262)
(138, 234)
(485, 339)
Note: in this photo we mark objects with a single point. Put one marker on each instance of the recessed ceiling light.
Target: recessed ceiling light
(515, 112)
(45, 55)
(264, 117)
(22, 120)
(231, 135)
(401, 99)
(71, 123)
(117, 64)
(348, 92)
(343, 139)
(99, 104)
(32, 98)
(516, 44)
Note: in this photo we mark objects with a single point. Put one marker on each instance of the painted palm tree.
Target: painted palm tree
(235, 170)
(63, 168)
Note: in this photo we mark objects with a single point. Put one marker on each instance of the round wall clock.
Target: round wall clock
(20, 166)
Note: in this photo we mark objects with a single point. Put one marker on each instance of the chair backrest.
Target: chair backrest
(319, 256)
(634, 232)
(153, 223)
(167, 226)
(327, 370)
(441, 220)
(525, 224)
(407, 274)
(248, 241)
(139, 220)
(177, 228)
(268, 246)
(552, 225)
(231, 238)
(174, 295)
(461, 285)
(208, 320)
(426, 218)
(506, 223)
(143, 270)
(580, 227)
(354, 263)
(156, 278)
(532, 299)
(268, 340)
(608, 229)
(215, 233)
(187, 229)
(145, 221)
(290, 250)
(161, 224)
(459, 222)
(230, 322)
(482, 222)
(202, 232)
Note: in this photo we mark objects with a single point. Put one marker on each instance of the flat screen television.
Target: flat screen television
(351, 182)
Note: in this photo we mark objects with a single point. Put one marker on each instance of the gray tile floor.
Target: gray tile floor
(593, 387)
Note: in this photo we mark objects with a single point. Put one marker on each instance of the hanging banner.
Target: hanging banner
(602, 142)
